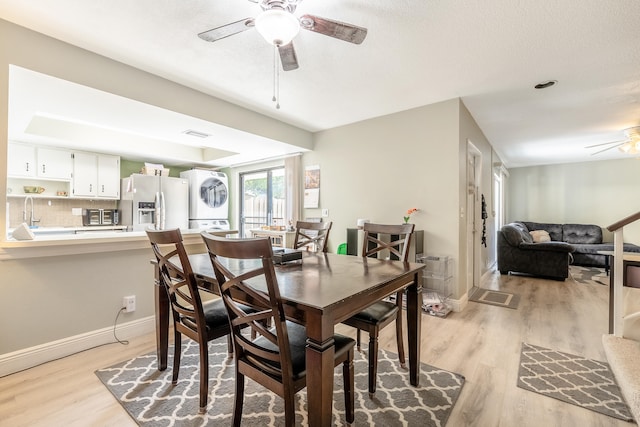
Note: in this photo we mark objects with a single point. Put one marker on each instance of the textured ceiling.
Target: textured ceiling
(489, 53)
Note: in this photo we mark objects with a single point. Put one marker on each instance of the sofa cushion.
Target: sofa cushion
(592, 248)
(554, 230)
(581, 233)
(516, 233)
(540, 236)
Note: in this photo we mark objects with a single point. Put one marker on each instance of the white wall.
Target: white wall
(379, 168)
(599, 192)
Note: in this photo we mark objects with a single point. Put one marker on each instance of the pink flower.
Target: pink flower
(409, 212)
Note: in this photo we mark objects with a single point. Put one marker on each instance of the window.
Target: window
(262, 199)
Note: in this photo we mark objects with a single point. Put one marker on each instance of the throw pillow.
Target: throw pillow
(540, 236)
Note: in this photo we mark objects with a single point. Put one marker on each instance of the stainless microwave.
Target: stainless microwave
(100, 217)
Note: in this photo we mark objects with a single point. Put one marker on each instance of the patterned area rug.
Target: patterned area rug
(501, 299)
(573, 379)
(588, 275)
(148, 396)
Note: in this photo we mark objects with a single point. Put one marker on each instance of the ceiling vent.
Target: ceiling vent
(195, 133)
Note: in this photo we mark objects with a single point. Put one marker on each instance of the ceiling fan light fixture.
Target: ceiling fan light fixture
(277, 26)
(632, 145)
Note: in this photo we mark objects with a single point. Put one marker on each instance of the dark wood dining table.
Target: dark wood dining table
(320, 291)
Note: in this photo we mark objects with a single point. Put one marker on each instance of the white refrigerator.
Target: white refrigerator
(159, 202)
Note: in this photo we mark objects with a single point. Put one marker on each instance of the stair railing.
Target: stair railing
(616, 293)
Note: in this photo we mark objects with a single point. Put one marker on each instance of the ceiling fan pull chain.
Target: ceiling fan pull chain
(275, 64)
(277, 85)
(276, 78)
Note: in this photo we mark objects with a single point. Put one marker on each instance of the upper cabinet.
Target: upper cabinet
(62, 173)
(96, 175)
(85, 174)
(108, 176)
(21, 160)
(54, 163)
(38, 162)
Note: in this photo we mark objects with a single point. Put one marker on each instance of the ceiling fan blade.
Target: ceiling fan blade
(339, 30)
(288, 57)
(227, 30)
(604, 143)
(608, 148)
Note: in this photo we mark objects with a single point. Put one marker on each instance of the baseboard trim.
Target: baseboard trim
(29, 357)
(458, 305)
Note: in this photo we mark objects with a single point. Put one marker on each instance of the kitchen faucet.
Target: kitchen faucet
(32, 219)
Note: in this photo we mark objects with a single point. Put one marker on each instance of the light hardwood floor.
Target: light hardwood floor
(482, 343)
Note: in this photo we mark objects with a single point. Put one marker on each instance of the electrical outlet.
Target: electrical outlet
(129, 303)
(325, 212)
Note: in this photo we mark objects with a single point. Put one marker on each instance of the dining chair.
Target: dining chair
(276, 358)
(384, 240)
(200, 321)
(312, 234)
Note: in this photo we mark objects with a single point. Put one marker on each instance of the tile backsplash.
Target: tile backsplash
(53, 212)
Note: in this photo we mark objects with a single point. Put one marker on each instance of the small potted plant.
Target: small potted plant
(408, 216)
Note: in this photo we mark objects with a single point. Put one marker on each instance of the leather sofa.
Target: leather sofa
(582, 242)
(517, 252)
(586, 239)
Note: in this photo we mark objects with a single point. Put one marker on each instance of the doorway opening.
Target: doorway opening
(474, 221)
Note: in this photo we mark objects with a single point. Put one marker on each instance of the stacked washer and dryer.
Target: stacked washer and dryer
(208, 199)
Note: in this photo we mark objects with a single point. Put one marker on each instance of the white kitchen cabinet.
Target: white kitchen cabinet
(21, 160)
(54, 163)
(96, 175)
(109, 176)
(85, 175)
(29, 161)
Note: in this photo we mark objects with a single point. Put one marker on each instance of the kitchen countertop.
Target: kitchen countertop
(56, 244)
(70, 230)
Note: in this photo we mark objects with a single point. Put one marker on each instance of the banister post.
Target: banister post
(618, 281)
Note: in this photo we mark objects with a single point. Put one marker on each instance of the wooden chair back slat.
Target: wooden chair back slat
(312, 233)
(399, 239)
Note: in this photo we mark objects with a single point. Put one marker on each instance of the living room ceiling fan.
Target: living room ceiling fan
(630, 145)
(278, 25)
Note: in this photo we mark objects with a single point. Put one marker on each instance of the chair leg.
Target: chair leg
(348, 380)
(204, 376)
(177, 351)
(289, 408)
(229, 345)
(239, 399)
(373, 361)
(358, 339)
(400, 340)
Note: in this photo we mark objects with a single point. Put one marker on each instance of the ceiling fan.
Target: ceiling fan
(278, 25)
(630, 145)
